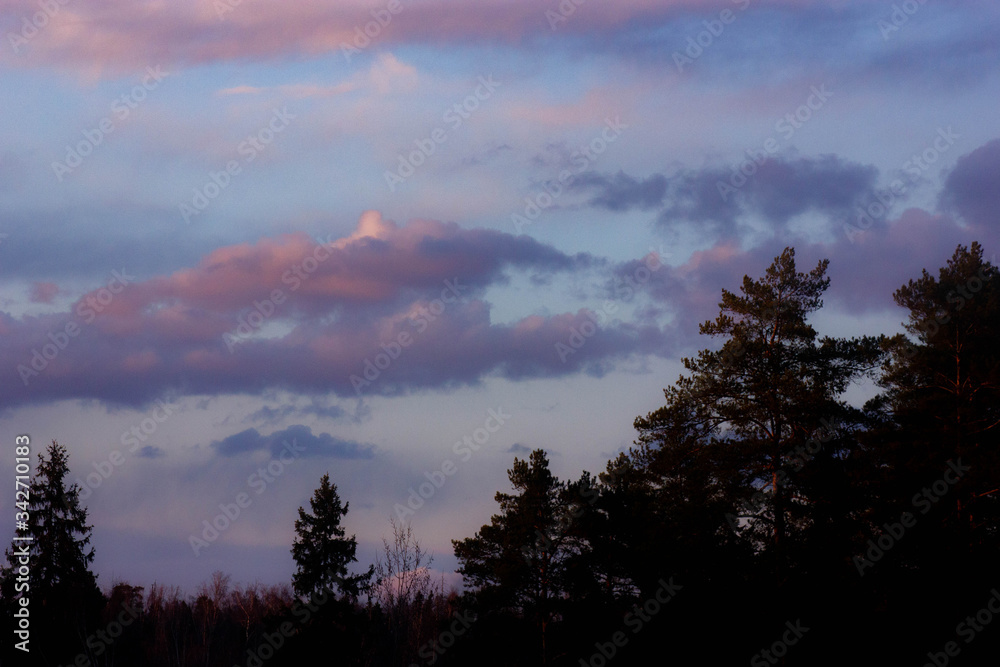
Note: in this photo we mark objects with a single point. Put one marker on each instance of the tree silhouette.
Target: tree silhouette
(63, 591)
(321, 549)
(517, 562)
(403, 585)
(756, 488)
(942, 403)
(744, 416)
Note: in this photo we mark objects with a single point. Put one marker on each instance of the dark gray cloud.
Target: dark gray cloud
(151, 452)
(622, 192)
(718, 200)
(322, 444)
(783, 189)
(972, 188)
(239, 443)
(486, 156)
(694, 197)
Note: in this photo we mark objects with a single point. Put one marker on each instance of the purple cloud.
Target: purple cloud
(334, 309)
(622, 192)
(776, 189)
(972, 188)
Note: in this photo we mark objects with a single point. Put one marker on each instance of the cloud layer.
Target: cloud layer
(385, 310)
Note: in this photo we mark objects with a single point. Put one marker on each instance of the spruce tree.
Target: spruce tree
(322, 551)
(62, 590)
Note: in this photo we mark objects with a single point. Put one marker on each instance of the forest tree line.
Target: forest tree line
(759, 517)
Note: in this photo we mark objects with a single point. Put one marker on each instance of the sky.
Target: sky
(244, 243)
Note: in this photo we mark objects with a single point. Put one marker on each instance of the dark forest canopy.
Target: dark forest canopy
(759, 517)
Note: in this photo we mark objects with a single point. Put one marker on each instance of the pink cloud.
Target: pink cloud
(42, 292)
(121, 36)
(332, 308)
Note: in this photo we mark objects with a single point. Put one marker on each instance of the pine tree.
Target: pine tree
(321, 549)
(517, 562)
(747, 412)
(942, 383)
